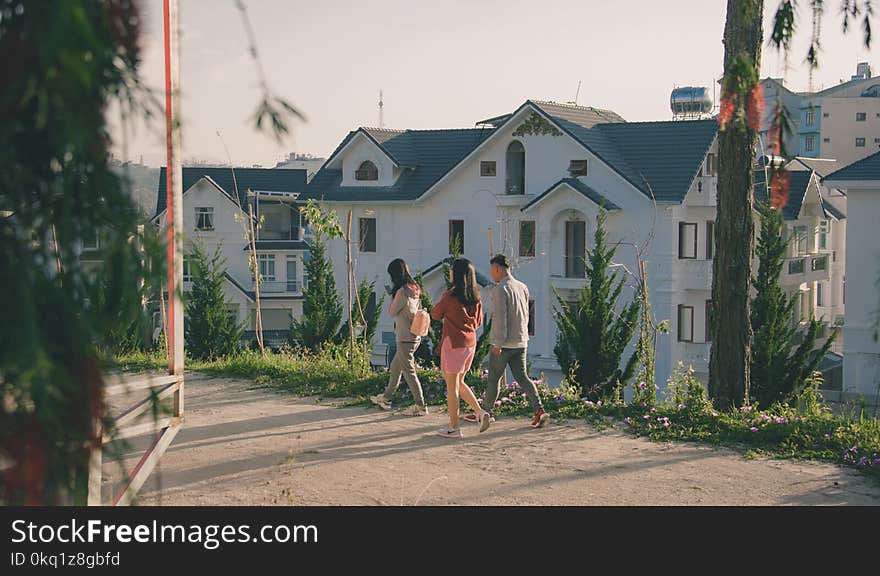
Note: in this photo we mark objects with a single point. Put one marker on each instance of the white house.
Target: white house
(530, 183)
(860, 182)
(215, 216)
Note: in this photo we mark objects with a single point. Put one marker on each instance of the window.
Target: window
(527, 238)
(810, 142)
(861, 116)
(267, 267)
(687, 240)
(90, 240)
(516, 168)
(232, 312)
(826, 140)
(367, 171)
(711, 168)
(575, 248)
(531, 317)
(826, 114)
(710, 239)
(685, 323)
(824, 229)
(860, 142)
(800, 240)
(292, 266)
(456, 236)
(187, 272)
(820, 296)
(577, 167)
(205, 218)
(488, 168)
(709, 312)
(876, 140)
(366, 234)
(811, 117)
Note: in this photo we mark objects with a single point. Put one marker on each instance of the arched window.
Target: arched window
(516, 168)
(367, 171)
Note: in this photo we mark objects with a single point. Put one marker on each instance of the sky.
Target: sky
(441, 64)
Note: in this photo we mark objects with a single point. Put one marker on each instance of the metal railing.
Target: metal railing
(279, 287)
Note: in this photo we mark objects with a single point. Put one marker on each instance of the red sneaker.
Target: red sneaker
(541, 419)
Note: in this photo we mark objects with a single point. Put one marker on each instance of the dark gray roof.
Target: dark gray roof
(797, 190)
(280, 245)
(263, 179)
(580, 187)
(482, 279)
(864, 169)
(427, 155)
(832, 210)
(658, 157)
(235, 283)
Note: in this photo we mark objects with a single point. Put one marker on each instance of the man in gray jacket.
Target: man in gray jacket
(509, 339)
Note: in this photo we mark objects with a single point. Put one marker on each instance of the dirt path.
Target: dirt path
(254, 446)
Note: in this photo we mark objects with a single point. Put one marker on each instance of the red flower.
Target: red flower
(755, 109)
(773, 138)
(728, 107)
(779, 183)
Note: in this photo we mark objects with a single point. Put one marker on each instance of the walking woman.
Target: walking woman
(405, 295)
(462, 313)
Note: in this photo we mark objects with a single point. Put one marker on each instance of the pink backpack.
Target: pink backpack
(421, 322)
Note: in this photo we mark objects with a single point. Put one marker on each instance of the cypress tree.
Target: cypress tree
(210, 331)
(322, 308)
(783, 355)
(592, 335)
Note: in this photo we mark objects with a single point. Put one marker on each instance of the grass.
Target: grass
(803, 429)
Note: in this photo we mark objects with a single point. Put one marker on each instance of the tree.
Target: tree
(592, 335)
(366, 295)
(210, 330)
(783, 356)
(427, 354)
(322, 308)
(742, 102)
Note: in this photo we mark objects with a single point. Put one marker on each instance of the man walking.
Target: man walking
(509, 339)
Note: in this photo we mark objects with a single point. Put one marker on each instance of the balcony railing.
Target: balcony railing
(282, 287)
(797, 266)
(293, 233)
(818, 263)
(807, 268)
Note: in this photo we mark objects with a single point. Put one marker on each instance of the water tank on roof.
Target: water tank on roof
(690, 102)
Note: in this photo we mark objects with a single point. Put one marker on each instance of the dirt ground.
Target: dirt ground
(247, 446)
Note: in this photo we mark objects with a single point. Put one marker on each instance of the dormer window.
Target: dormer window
(367, 171)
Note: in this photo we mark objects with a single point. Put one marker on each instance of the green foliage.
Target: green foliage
(210, 331)
(592, 335)
(64, 63)
(372, 312)
(783, 356)
(427, 354)
(322, 308)
(536, 125)
(482, 349)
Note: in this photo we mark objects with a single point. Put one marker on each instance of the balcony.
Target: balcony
(695, 354)
(807, 268)
(274, 288)
(695, 274)
(293, 233)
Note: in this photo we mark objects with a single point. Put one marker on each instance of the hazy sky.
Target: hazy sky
(443, 64)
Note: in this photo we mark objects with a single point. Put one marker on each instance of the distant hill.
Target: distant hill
(143, 181)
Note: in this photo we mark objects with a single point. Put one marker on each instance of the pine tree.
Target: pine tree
(322, 308)
(783, 356)
(592, 335)
(210, 331)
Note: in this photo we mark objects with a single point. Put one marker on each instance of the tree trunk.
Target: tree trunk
(734, 238)
(258, 317)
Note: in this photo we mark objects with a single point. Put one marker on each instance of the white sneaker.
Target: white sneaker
(450, 432)
(414, 410)
(380, 401)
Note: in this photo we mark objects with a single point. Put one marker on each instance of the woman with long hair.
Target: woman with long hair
(462, 313)
(405, 295)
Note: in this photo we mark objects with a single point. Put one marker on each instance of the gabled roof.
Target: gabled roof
(660, 159)
(263, 179)
(821, 166)
(799, 183)
(864, 169)
(430, 153)
(482, 279)
(578, 186)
